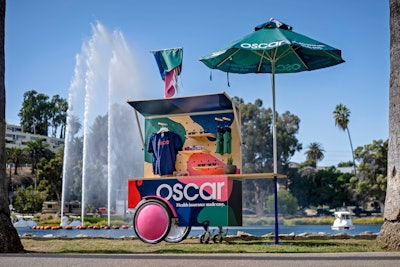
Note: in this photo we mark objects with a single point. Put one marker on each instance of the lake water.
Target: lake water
(196, 231)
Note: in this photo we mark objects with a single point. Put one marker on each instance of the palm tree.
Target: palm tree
(315, 153)
(36, 150)
(15, 156)
(341, 115)
(389, 236)
(58, 115)
(10, 241)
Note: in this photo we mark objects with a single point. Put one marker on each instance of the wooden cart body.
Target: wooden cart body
(198, 192)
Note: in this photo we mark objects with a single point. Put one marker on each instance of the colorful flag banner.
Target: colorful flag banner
(169, 62)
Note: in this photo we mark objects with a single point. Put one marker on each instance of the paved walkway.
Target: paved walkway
(372, 259)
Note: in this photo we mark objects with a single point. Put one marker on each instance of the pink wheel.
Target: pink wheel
(152, 221)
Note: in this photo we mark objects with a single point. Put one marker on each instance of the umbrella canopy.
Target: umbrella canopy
(273, 48)
(273, 43)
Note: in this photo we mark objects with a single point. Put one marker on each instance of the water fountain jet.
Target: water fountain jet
(99, 158)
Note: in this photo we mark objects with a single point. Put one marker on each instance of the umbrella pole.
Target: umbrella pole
(274, 148)
(274, 145)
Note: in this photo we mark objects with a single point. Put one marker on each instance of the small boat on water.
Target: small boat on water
(24, 221)
(342, 221)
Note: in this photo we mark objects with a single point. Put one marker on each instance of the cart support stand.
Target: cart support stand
(276, 209)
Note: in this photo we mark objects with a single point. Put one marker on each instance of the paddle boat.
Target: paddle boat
(342, 221)
(24, 221)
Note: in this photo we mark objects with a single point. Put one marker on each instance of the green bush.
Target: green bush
(258, 221)
(95, 220)
(287, 203)
(28, 200)
(310, 221)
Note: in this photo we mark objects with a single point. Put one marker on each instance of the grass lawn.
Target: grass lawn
(192, 245)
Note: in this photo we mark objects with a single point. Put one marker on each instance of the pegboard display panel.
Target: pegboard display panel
(199, 134)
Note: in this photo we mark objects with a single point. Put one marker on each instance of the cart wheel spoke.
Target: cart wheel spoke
(177, 233)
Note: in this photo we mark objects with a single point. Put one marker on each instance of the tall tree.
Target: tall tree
(35, 113)
(370, 183)
(257, 148)
(341, 115)
(314, 153)
(15, 156)
(58, 115)
(38, 113)
(287, 203)
(38, 149)
(49, 174)
(73, 164)
(389, 235)
(314, 188)
(9, 238)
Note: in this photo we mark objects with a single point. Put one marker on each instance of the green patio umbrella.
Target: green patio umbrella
(273, 48)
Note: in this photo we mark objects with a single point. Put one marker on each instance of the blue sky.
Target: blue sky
(43, 38)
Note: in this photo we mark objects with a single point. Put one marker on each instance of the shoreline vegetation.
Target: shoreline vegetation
(102, 221)
(325, 220)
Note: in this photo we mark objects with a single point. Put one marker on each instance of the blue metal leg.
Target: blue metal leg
(276, 210)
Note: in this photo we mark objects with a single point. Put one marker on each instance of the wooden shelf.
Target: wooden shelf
(201, 135)
(189, 152)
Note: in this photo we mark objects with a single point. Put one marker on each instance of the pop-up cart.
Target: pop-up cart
(187, 143)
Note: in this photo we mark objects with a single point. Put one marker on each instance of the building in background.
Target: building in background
(15, 137)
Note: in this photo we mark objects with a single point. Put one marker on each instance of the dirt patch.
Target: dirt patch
(24, 176)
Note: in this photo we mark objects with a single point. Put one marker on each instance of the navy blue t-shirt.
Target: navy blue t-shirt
(164, 146)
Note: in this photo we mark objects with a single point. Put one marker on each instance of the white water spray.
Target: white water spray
(109, 144)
